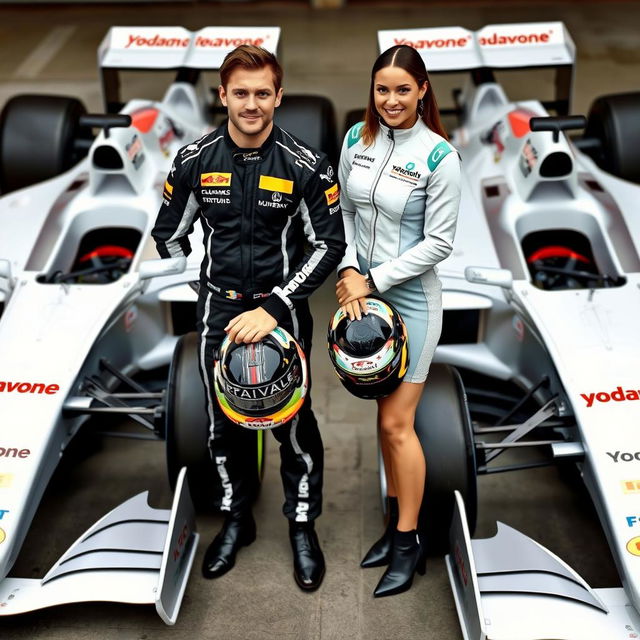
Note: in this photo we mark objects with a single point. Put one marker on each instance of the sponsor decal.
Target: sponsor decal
(273, 205)
(438, 152)
(333, 210)
(130, 318)
(168, 191)
(624, 456)
(617, 395)
(13, 452)
(269, 183)
(364, 365)
(6, 480)
(359, 159)
(182, 539)
(462, 570)
(276, 196)
(227, 43)
(354, 134)
(28, 387)
(436, 43)
(632, 521)
(302, 508)
(134, 152)
(410, 166)
(632, 633)
(405, 174)
(528, 158)
(225, 504)
(497, 39)
(631, 486)
(633, 546)
(327, 176)
(2, 512)
(216, 196)
(140, 42)
(215, 179)
(267, 390)
(332, 194)
(3, 536)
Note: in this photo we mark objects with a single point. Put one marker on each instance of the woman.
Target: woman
(400, 183)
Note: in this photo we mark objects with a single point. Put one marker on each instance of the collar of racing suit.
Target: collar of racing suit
(401, 134)
(251, 155)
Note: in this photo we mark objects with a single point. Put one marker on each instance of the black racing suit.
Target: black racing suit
(272, 232)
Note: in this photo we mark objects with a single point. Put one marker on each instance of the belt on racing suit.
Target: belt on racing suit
(232, 294)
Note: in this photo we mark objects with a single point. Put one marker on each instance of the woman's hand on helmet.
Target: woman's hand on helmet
(351, 286)
(251, 326)
(355, 309)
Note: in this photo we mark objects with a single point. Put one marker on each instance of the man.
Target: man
(269, 208)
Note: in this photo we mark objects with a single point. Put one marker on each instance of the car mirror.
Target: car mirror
(489, 275)
(168, 267)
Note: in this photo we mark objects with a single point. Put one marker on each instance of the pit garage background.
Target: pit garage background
(50, 48)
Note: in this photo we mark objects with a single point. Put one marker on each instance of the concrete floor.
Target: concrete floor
(52, 49)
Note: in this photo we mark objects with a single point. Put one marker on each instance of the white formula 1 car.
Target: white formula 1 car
(542, 290)
(85, 305)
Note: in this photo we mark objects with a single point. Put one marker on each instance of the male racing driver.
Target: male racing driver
(269, 208)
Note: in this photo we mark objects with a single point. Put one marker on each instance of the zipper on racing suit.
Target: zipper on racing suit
(372, 242)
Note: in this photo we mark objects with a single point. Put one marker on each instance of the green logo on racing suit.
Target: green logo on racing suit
(354, 134)
(436, 155)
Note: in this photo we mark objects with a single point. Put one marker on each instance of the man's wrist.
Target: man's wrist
(371, 285)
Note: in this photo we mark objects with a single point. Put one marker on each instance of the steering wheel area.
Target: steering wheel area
(102, 265)
(555, 267)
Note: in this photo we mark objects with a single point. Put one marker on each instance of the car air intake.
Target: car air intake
(106, 157)
(556, 165)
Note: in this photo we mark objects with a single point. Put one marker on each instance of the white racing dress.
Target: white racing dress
(400, 199)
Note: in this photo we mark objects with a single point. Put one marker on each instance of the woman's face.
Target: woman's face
(396, 96)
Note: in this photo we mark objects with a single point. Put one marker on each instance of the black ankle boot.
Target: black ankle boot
(407, 557)
(380, 551)
(308, 560)
(238, 530)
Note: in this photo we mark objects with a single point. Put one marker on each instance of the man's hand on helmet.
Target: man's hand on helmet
(251, 326)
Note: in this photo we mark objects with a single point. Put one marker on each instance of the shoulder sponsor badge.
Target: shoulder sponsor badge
(269, 183)
(437, 154)
(332, 194)
(354, 134)
(215, 179)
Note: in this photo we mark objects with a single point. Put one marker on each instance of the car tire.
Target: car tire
(443, 425)
(312, 119)
(51, 122)
(613, 121)
(187, 429)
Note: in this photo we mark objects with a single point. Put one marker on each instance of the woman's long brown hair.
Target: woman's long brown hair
(409, 59)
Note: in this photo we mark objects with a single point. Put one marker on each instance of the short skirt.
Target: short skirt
(419, 302)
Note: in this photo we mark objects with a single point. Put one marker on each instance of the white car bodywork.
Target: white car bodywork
(585, 340)
(53, 336)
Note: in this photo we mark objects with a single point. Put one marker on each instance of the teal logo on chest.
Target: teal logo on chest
(437, 154)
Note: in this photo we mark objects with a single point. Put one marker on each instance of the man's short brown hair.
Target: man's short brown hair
(251, 58)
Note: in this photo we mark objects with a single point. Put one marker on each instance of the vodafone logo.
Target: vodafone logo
(617, 395)
(497, 39)
(141, 42)
(227, 42)
(436, 43)
(28, 387)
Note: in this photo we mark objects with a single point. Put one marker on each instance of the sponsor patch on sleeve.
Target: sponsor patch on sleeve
(332, 194)
(437, 154)
(354, 134)
(269, 183)
(215, 179)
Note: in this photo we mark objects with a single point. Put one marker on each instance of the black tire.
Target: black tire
(37, 136)
(187, 428)
(443, 425)
(613, 121)
(353, 117)
(312, 119)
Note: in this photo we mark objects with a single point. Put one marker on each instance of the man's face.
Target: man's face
(251, 99)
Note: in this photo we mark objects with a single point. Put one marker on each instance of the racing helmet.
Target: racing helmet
(263, 384)
(369, 355)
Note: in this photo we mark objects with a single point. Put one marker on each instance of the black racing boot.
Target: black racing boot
(380, 552)
(407, 557)
(238, 530)
(308, 561)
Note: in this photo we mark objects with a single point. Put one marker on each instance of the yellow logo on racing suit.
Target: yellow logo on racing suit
(216, 179)
(269, 183)
(332, 194)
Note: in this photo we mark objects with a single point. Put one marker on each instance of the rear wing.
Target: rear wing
(496, 46)
(172, 48)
